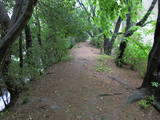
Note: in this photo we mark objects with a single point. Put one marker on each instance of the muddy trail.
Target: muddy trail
(73, 90)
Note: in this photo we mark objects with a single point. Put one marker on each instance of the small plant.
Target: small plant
(144, 104)
(151, 99)
(147, 102)
(155, 84)
(119, 63)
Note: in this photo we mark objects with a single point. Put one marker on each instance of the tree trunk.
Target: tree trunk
(153, 66)
(13, 32)
(108, 47)
(106, 44)
(38, 25)
(21, 51)
(4, 21)
(123, 44)
(28, 41)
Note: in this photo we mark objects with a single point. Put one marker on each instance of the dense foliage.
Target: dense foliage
(52, 34)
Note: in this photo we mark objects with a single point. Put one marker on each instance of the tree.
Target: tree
(153, 66)
(108, 15)
(129, 30)
(15, 26)
(151, 81)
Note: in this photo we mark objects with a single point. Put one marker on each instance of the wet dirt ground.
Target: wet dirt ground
(71, 89)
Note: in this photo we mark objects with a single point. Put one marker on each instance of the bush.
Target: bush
(136, 54)
(97, 42)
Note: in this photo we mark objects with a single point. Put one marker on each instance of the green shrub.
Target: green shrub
(97, 42)
(146, 102)
(136, 54)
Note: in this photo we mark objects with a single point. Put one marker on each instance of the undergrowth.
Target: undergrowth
(102, 64)
(136, 54)
(67, 58)
(145, 103)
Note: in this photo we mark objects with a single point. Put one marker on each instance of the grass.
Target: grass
(102, 68)
(102, 65)
(67, 58)
(104, 57)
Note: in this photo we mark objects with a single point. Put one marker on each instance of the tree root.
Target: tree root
(142, 94)
(138, 95)
(121, 82)
(109, 94)
(156, 105)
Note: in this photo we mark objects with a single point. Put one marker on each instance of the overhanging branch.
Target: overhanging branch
(142, 23)
(14, 31)
(144, 19)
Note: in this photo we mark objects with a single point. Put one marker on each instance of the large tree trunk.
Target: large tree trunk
(153, 66)
(154, 57)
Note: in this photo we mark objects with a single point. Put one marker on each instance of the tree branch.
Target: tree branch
(17, 10)
(83, 6)
(142, 23)
(147, 23)
(144, 19)
(14, 31)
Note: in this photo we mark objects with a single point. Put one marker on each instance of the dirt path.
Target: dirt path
(71, 92)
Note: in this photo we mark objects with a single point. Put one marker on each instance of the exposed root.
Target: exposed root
(109, 94)
(156, 105)
(137, 95)
(126, 85)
